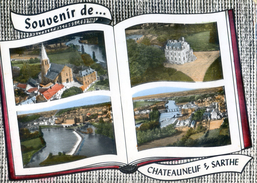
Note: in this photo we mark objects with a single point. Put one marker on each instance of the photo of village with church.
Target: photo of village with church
(59, 68)
(173, 52)
(190, 118)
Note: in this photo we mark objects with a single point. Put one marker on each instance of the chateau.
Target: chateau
(179, 52)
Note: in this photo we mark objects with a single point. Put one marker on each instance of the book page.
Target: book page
(63, 103)
(178, 87)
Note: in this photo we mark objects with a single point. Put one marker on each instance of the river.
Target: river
(134, 36)
(63, 140)
(89, 49)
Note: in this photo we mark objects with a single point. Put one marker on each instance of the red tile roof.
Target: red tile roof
(48, 94)
(22, 85)
(32, 89)
(42, 90)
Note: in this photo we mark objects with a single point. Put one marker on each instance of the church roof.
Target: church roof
(54, 71)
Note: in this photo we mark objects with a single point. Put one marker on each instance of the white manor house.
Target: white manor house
(179, 52)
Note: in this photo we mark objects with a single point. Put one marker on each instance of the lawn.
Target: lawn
(214, 72)
(57, 159)
(65, 57)
(33, 144)
(197, 135)
(138, 104)
(160, 74)
(200, 42)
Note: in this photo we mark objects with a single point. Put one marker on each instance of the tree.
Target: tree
(143, 58)
(50, 155)
(214, 38)
(198, 115)
(71, 91)
(94, 57)
(146, 41)
(82, 49)
(89, 130)
(154, 114)
(40, 131)
(19, 51)
(87, 60)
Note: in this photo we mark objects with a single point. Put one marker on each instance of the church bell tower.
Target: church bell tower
(45, 63)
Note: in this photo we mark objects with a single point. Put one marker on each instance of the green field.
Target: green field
(197, 135)
(200, 42)
(65, 57)
(57, 159)
(31, 146)
(138, 104)
(214, 72)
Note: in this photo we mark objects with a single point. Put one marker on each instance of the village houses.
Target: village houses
(54, 80)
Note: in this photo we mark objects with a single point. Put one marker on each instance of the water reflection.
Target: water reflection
(89, 49)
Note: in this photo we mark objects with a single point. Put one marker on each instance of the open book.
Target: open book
(93, 96)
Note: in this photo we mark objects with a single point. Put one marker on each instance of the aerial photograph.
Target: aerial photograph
(54, 136)
(173, 52)
(59, 68)
(185, 118)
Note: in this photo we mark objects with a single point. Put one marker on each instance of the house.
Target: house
(215, 114)
(68, 122)
(29, 101)
(86, 77)
(189, 108)
(55, 73)
(22, 86)
(53, 92)
(179, 52)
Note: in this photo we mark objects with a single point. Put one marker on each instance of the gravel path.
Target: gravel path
(197, 69)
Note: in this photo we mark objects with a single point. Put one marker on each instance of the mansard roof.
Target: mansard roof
(175, 44)
(86, 71)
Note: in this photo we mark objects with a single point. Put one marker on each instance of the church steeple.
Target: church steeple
(45, 63)
(43, 54)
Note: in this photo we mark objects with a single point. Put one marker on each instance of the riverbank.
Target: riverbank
(77, 144)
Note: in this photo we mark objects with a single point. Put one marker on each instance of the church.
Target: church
(54, 73)
(179, 52)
